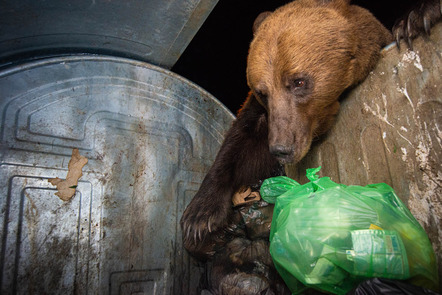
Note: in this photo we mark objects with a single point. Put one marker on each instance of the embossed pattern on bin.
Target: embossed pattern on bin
(149, 136)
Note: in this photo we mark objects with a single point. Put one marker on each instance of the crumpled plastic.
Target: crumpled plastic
(331, 237)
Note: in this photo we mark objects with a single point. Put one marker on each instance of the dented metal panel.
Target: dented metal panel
(155, 31)
(149, 137)
(390, 130)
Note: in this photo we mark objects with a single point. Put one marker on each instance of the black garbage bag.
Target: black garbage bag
(243, 264)
(377, 286)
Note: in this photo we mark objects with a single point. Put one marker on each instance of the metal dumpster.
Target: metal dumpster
(155, 31)
(149, 136)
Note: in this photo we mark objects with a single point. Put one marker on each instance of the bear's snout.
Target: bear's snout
(290, 134)
(284, 154)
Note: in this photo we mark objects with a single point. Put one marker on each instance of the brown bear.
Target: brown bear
(302, 57)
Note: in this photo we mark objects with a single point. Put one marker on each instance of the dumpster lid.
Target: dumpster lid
(155, 31)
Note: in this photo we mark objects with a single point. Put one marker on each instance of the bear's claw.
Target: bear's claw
(418, 20)
(201, 223)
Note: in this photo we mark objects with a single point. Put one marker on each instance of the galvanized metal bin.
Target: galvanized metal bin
(155, 31)
(149, 136)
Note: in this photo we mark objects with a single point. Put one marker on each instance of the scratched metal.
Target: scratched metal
(149, 136)
(390, 130)
(155, 31)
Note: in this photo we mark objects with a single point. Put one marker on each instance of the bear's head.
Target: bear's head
(300, 61)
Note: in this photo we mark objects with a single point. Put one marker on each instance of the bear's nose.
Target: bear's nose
(283, 154)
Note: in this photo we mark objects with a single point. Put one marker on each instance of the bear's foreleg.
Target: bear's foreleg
(243, 160)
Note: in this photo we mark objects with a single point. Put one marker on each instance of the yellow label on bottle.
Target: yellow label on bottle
(374, 226)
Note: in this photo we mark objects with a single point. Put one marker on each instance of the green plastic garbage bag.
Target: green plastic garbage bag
(331, 237)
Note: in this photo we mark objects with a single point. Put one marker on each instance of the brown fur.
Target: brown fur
(335, 53)
(303, 56)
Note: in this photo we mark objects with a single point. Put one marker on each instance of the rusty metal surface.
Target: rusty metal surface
(155, 31)
(149, 136)
(390, 130)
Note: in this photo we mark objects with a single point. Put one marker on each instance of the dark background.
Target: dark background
(216, 57)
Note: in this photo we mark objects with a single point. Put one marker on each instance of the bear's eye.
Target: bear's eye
(260, 94)
(262, 97)
(298, 83)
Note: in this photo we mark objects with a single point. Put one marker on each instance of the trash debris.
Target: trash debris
(242, 263)
(245, 196)
(66, 188)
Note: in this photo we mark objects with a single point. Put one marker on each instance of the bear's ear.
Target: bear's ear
(259, 19)
(337, 4)
(322, 2)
